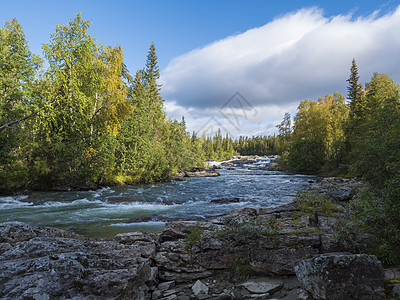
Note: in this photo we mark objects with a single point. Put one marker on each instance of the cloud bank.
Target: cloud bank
(298, 56)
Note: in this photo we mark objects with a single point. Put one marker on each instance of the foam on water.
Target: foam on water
(150, 223)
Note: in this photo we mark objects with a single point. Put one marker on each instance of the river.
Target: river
(112, 210)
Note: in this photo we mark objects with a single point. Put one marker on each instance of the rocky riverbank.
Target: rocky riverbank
(266, 253)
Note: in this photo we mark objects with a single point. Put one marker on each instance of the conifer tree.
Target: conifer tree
(356, 95)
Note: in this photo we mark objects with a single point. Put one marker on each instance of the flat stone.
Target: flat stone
(164, 286)
(256, 296)
(199, 287)
(169, 293)
(262, 287)
(171, 297)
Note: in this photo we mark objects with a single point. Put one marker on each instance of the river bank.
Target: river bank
(248, 253)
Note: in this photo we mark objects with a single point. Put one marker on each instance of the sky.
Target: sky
(234, 65)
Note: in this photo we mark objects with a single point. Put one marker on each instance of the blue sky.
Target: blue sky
(185, 32)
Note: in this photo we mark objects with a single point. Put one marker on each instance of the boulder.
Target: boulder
(342, 276)
(174, 231)
(339, 189)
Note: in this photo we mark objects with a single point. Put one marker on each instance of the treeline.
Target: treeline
(360, 139)
(83, 119)
(221, 147)
(259, 145)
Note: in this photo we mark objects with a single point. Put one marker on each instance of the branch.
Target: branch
(35, 114)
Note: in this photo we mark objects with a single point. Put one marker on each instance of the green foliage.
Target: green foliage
(377, 215)
(96, 124)
(374, 151)
(194, 235)
(259, 145)
(241, 269)
(239, 232)
(218, 147)
(314, 203)
(18, 69)
(318, 138)
(307, 156)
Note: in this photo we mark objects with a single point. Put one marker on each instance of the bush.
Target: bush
(376, 214)
(194, 235)
(313, 203)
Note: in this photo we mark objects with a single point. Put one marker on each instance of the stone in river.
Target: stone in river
(225, 200)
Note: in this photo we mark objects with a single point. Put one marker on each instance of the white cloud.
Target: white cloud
(297, 56)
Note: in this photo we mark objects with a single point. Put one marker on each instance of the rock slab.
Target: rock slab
(48, 263)
(342, 276)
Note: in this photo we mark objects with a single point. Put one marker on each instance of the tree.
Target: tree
(356, 95)
(90, 102)
(374, 153)
(354, 89)
(318, 135)
(18, 68)
(285, 132)
(151, 74)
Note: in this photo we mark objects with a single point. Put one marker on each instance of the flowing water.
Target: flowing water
(108, 211)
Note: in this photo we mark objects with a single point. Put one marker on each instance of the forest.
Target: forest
(83, 119)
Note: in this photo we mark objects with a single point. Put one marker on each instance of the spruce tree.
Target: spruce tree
(356, 95)
(354, 89)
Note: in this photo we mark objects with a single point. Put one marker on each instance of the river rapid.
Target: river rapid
(112, 210)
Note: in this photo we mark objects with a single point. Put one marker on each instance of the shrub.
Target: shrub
(313, 203)
(376, 214)
(194, 235)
